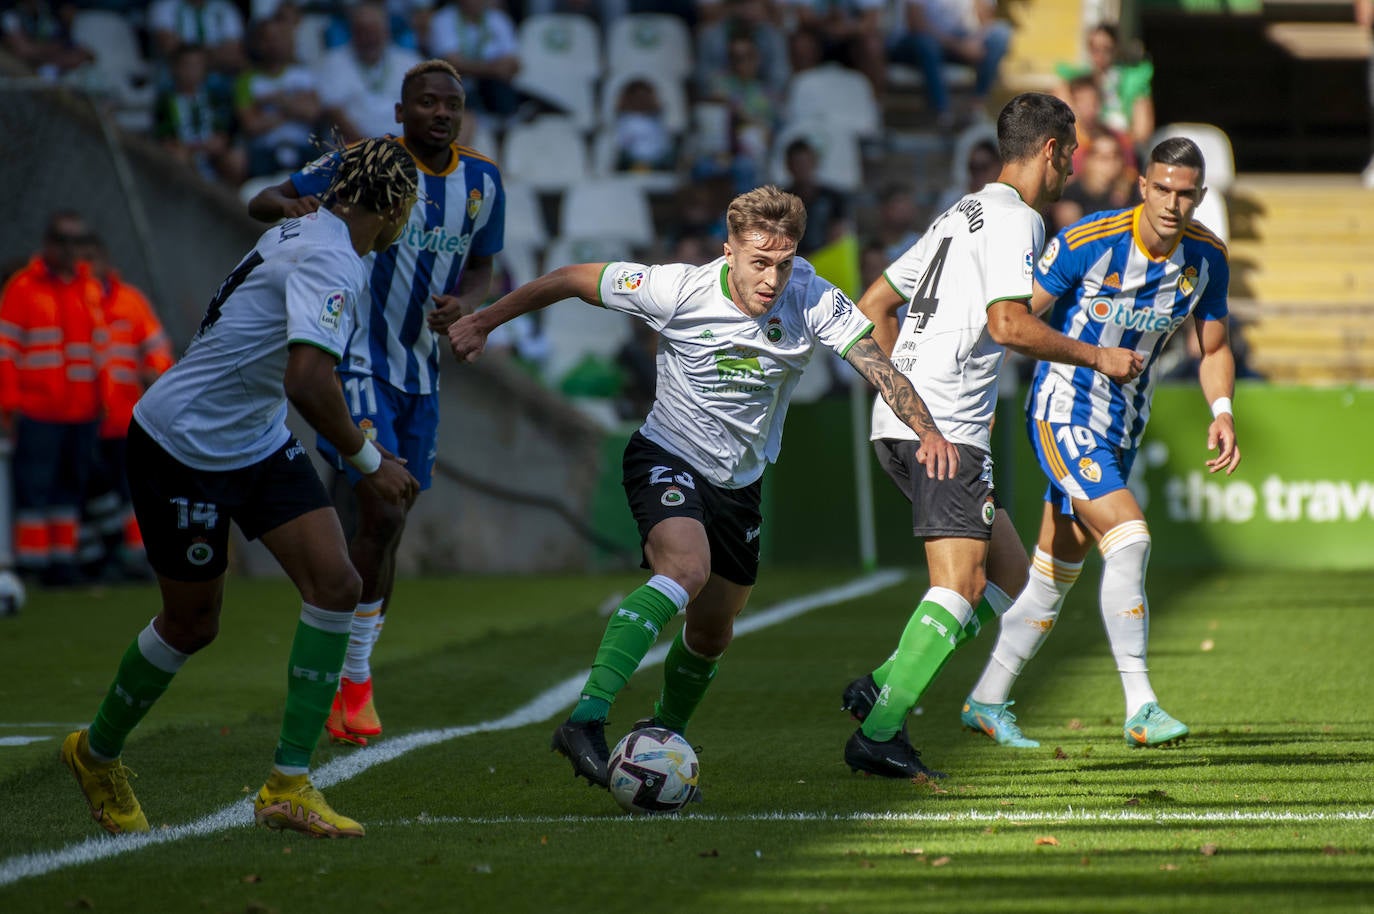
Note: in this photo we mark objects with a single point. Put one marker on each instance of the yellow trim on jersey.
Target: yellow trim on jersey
(1113, 225)
(470, 153)
(1052, 455)
(1140, 245)
(452, 162)
(1203, 233)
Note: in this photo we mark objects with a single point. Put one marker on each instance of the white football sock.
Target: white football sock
(1125, 611)
(1026, 625)
(367, 624)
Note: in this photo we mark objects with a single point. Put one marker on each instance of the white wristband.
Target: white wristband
(1221, 405)
(367, 460)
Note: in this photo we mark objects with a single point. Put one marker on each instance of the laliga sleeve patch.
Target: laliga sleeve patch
(626, 281)
(1028, 263)
(1051, 252)
(331, 315)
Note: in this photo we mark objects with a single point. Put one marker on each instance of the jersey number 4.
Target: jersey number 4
(927, 298)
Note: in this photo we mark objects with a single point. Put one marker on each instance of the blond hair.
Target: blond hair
(376, 174)
(769, 210)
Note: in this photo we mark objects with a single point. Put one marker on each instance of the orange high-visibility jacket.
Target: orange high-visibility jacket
(138, 352)
(52, 342)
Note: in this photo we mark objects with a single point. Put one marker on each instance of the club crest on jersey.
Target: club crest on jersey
(368, 429)
(1188, 281)
(1089, 469)
(774, 329)
(1051, 252)
(989, 511)
(628, 280)
(474, 202)
(672, 497)
(331, 315)
(199, 553)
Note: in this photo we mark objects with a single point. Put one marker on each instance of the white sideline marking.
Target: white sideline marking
(1066, 817)
(543, 707)
(22, 740)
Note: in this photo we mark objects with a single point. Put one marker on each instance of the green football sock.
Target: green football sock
(317, 655)
(981, 616)
(144, 673)
(926, 643)
(632, 630)
(686, 677)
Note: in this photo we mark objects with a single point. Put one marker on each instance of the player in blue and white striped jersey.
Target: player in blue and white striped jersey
(1128, 278)
(439, 269)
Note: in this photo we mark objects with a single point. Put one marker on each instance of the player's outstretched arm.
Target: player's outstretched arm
(467, 337)
(1217, 374)
(313, 388)
(936, 454)
(1012, 322)
(880, 304)
(281, 201)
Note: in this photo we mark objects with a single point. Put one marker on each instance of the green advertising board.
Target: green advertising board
(1303, 496)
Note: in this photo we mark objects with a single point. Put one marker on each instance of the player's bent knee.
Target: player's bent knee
(338, 590)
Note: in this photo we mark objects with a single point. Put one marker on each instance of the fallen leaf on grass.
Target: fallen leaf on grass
(1047, 839)
(1060, 753)
(866, 864)
(1133, 801)
(1332, 850)
(1208, 644)
(1209, 850)
(252, 879)
(939, 861)
(1075, 724)
(1168, 866)
(913, 852)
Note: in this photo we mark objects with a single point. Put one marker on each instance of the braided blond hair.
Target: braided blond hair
(376, 174)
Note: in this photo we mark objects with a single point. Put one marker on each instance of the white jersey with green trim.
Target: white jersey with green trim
(725, 378)
(980, 251)
(223, 406)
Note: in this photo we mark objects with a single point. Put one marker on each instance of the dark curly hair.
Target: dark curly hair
(375, 174)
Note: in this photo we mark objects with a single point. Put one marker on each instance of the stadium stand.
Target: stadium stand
(560, 63)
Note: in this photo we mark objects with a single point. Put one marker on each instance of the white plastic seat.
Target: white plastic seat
(560, 63)
(573, 328)
(1216, 151)
(840, 163)
(836, 95)
(524, 216)
(610, 208)
(1213, 213)
(547, 154)
(654, 42)
(119, 68)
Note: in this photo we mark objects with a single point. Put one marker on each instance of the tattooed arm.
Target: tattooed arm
(938, 456)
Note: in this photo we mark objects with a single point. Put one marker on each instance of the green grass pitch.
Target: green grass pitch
(1268, 807)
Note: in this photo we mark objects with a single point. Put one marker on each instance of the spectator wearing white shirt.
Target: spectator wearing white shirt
(480, 41)
(359, 82)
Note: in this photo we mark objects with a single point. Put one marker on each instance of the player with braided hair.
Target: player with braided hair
(440, 269)
(201, 455)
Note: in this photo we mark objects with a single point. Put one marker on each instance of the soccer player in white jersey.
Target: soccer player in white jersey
(966, 286)
(209, 444)
(439, 269)
(735, 336)
(1123, 278)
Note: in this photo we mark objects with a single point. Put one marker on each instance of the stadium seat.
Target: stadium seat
(524, 216)
(1216, 151)
(606, 208)
(560, 62)
(1214, 214)
(657, 42)
(836, 95)
(547, 154)
(575, 329)
(119, 71)
(841, 164)
(672, 94)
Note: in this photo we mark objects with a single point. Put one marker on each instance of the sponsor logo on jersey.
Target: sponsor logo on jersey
(706, 335)
(1028, 263)
(672, 497)
(735, 369)
(1188, 281)
(989, 511)
(751, 534)
(628, 280)
(199, 552)
(774, 330)
(436, 239)
(1051, 252)
(842, 305)
(1089, 469)
(474, 202)
(368, 429)
(1121, 313)
(1113, 281)
(295, 450)
(331, 315)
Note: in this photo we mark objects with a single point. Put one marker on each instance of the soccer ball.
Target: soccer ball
(653, 770)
